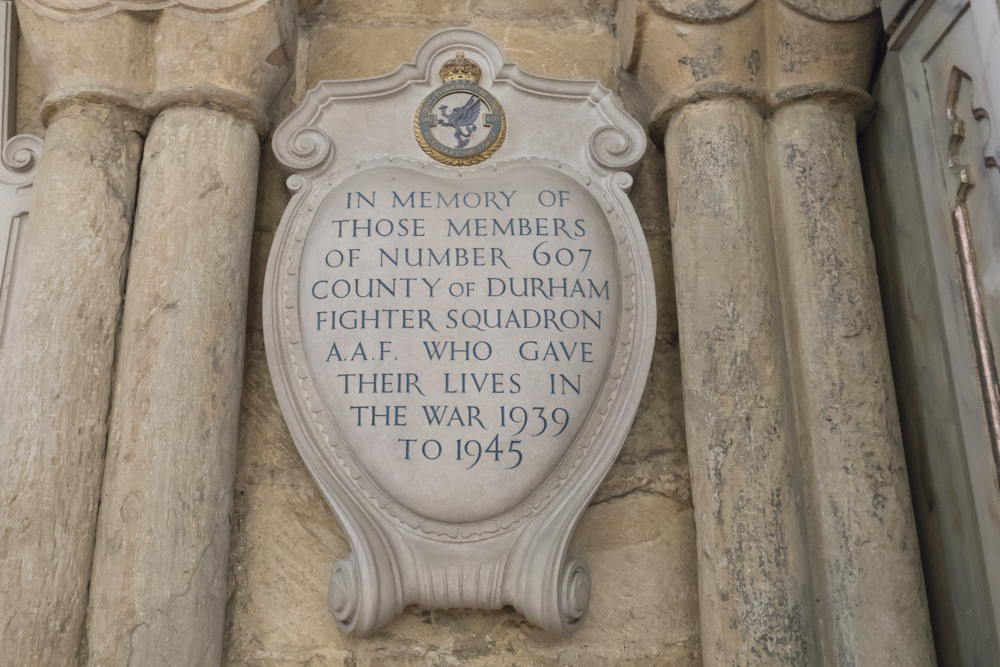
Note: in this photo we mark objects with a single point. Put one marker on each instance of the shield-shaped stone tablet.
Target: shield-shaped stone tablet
(459, 320)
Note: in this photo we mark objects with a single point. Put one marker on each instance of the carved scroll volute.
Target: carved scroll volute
(498, 431)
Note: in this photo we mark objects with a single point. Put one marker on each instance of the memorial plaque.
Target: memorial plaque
(459, 322)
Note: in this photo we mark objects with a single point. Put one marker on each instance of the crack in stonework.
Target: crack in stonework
(636, 459)
(167, 608)
(642, 491)
(194, 572)
(130, 634)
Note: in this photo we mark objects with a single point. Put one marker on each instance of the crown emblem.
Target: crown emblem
(460, 68)
(460, 123)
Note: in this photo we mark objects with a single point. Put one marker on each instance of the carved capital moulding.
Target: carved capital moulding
(459, 321)
(770, 53)
(151, 55)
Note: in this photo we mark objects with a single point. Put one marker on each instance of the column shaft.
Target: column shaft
(159, 583)
(57, 352)
(753, 570)
(871, 602)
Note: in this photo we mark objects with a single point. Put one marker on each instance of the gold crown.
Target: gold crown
(460, 68)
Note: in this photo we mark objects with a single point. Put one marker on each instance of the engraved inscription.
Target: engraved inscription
(459, 332)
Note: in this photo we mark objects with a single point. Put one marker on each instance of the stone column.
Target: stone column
(848, 425)
(737, 405)
(821, 439)
(159, 580)
(57, 346)
(160, 572)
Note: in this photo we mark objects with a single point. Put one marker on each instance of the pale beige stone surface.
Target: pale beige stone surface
(157, 592)
(639, 544)
(807, 548)
(56, 355)
(764, 51)
(848, 426)
(167, 499)
(638, 535)
(30, 93)
(699, 10)
(454, 12)
(753, 572)
(573, 49)
(158, 586)
(237, 65)
(106, 58)
(715, 10)
(236, 61)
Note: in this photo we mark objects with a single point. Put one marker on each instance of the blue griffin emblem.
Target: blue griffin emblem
(462, 119)
(481, 111)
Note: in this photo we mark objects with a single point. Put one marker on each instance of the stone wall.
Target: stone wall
(806, 545)
(638, 535)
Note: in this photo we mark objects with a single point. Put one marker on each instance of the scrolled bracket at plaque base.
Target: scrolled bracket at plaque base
(459, 320)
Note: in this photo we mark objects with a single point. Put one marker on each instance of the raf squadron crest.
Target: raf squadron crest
(460, 123)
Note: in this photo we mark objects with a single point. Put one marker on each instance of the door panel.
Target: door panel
(934, 189)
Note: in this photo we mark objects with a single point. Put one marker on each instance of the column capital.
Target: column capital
(769, 52)
(148, 55)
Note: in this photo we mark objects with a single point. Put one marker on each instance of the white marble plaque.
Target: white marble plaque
(459, 350)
